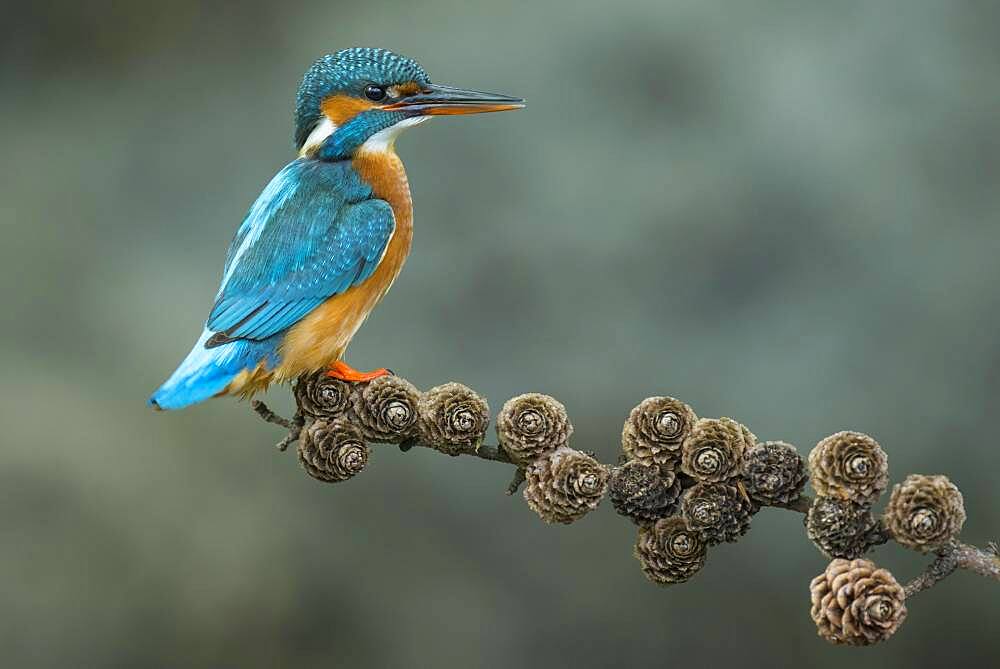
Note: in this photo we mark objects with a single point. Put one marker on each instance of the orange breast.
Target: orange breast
(319, 339)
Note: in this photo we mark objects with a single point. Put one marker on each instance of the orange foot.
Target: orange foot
(341, 370)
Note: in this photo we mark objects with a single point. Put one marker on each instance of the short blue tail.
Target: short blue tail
(206, 372)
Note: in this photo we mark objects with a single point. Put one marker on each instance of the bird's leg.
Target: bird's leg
(341, 370)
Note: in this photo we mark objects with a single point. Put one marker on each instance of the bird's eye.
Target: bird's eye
(374, 93)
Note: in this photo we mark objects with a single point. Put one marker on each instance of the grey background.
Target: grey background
(784, 212)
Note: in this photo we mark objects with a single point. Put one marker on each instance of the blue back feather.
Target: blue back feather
(314, 232)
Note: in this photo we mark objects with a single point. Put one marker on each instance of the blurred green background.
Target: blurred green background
(786, 212)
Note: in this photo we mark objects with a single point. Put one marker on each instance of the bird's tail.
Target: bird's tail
(206, 372)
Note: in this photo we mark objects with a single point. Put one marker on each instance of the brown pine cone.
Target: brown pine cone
(531, 425)
(718, 511)
(714, 450)
(925, 512)
(643, 492)
(386, 409)
(322, 396)
(856, 603)
(332, 450)
(849, 465)
(840, 528)
(774, 473)
(453, 418)
(669, 552)
(564, 485)
(655, 430)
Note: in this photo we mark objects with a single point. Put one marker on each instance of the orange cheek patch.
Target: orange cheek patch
(342, 108)
(402, 90)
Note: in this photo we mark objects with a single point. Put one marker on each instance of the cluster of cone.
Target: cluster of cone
(562, 484)
(342, 418)
(690, 483)
(854, 602)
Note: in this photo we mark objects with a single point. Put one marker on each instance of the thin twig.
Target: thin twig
(493, 453)
(483, 452)
(289, 439)
(800, 504)
(983, 562)
(265, 412)
(294, 426)
(941, 568)
(519, 478)
(956, 556)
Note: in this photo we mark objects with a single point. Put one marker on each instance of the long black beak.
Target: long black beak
(436, 100)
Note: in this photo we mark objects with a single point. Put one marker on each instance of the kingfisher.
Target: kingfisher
(326, 238)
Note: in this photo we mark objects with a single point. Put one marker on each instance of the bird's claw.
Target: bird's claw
(341, 370)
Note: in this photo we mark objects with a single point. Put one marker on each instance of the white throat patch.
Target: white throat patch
(380, 142)
(316, 138)
(383, 140)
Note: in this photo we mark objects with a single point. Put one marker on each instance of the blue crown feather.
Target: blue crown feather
(348, 71)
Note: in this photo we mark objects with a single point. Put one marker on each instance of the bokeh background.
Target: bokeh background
(786, 212)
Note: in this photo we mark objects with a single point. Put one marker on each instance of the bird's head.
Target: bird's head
(362, 98)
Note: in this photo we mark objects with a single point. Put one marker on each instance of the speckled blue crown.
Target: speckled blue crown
(348, 71)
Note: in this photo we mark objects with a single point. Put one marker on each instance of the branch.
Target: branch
(483, 452)
(985, 562)
(688, 483)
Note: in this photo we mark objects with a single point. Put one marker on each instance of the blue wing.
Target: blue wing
(314, 232)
